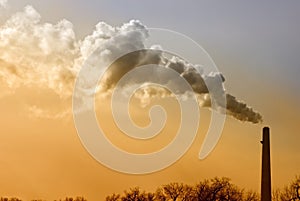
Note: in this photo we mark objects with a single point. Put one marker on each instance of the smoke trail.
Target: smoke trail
(49, 55)
(235, 108)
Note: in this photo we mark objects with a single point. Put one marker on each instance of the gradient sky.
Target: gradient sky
(255, 45)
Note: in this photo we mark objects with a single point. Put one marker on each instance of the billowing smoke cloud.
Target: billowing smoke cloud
(49, 55)
(38, 54)
(193, 74)
(3, 3)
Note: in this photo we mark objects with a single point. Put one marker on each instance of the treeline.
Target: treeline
(78, 198)
(217, 189)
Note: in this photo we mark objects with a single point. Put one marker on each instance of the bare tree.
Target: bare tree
(160, 196)
(276, 194)
(134, 194)
(220, 189)
(80, 198)
(9, 199)
(188, 193)
(113, 197)
(173, 191)
(202, 191)
(292, 191)
(252, 196)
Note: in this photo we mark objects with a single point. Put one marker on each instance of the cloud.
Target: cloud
(33, 53)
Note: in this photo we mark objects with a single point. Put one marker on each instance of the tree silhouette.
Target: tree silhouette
(113, 197)
(78, 198)
(217, 189)
(10, 199)
(292, 191)
(251, 196)
(135, 194)
(172, 191)
(160, 195)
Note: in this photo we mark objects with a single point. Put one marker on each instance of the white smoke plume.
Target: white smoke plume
(3, 3)
(32, 53)
(49, 55)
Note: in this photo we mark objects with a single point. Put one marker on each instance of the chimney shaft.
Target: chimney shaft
(266, 169)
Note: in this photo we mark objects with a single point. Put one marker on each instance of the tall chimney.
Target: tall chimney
(266, 169)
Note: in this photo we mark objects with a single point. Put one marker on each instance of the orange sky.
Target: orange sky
(44, 158)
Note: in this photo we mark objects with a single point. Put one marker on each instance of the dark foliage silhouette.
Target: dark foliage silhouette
(216, 189)
(290, 192)
(78, 198)
(10, 199)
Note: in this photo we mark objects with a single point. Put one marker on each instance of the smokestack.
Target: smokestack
(266, 168)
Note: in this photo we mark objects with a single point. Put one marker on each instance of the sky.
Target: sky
(254, 44)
